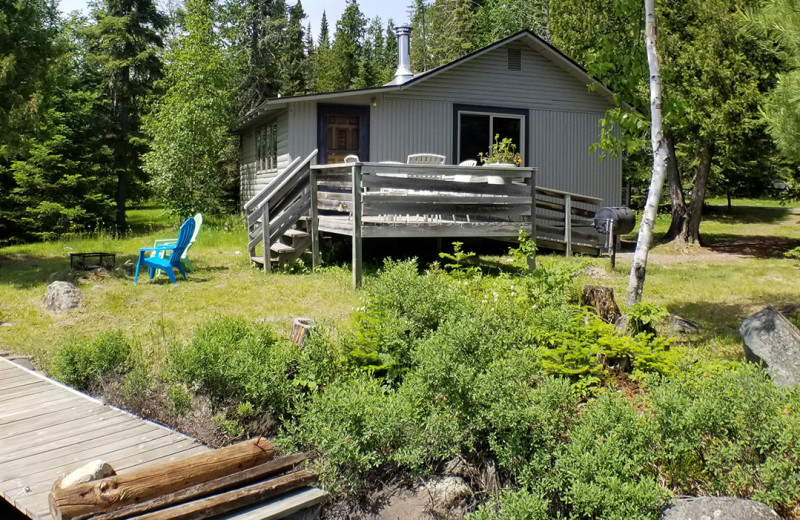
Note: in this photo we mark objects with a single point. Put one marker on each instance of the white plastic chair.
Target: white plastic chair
(351, 159)
(425, 158)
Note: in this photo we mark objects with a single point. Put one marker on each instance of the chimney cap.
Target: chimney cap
(402, 29)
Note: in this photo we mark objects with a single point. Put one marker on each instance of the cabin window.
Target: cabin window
(267, 147)
(476, 130)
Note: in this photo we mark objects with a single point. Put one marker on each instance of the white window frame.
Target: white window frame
(492, 115)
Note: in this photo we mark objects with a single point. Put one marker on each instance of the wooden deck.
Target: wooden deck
(382, 200)
(48, 429)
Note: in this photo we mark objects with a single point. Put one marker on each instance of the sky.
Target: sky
(397, 10)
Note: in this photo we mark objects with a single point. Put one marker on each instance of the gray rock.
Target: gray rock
(683, 325)
(61, 297)
(717, 508)
(447, 491)
(86, 473)
(772, 340)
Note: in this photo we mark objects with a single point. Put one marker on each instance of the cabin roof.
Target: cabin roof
(525, 36)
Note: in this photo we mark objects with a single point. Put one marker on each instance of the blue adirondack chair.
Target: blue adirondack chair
(167, 265)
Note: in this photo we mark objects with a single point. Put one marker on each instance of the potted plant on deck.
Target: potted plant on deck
(502, 153)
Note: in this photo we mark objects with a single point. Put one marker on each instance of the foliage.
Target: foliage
(84, 364)
(231, 361)
(513, 505)
(502, 152)
(192, 153)
(643, 316)
(462, 263)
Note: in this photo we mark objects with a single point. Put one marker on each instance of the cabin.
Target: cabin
(520, 88)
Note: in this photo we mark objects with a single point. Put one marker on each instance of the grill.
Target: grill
(616, 220)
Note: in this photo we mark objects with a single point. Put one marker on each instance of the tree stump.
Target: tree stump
(301, 329)
(601, 300)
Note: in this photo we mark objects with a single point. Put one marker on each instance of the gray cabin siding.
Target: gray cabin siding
(252, 179)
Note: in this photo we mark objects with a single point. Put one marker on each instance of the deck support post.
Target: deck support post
(357, 209)
(567, 225)
(315, 259)
(265, 237)
(532, 259)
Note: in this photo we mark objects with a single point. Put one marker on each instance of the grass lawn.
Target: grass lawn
(742, 271)
(157, 313)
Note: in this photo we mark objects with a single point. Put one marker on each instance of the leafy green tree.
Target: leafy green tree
(192, 154)
(500, 18)
(123, 44)
(780, 19)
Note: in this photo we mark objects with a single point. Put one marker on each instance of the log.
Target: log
(601, 300)
(241, 478)
(146, 483)
(301, 328)
(238, 498)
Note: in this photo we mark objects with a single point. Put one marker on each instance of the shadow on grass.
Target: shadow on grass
(746, 214)
(721, 321)
(752, 246)
(24, 271)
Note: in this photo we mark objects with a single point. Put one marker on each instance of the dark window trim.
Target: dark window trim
(496, 110)
(362, 111)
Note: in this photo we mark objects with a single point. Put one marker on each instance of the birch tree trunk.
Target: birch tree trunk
(660, 155)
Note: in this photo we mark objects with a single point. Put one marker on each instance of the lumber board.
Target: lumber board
(447, 169)
(374, 207)
(226, 483)
(24, 391)
(231, 500)
(57, 415)
(417, 184)
(147, 482)
(457, 230)
(16, 380)
(575, 196)
(54, 439)
(53, 430)
(37, 400)
(444, 200)
(281, 507)
(62, 403)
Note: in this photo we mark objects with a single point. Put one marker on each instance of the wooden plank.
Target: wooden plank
(22, 391)
(66, 454)
(459, 230)
(61, 403)
(440, 199)
(86, 432)
(575, 196)
(261, 195)
(511, 190)
(36, 400)
(43, 433)
(433, 208)
(166, 448)
(568, 225)
(357, 246)
(316, 259)
(16, 380)
(231, 500)
(281, 507)
(265, 237)
(446, 169)
(335, 186)
(58, 415)
(225, 483)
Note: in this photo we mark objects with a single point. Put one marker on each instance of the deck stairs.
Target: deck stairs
(283, 205)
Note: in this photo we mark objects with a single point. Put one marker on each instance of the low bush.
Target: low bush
(83, 364)
(232, 360)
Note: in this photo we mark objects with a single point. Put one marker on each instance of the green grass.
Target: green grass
(693, 284)
(157, 312)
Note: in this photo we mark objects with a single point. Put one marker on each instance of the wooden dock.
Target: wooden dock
(48, 429)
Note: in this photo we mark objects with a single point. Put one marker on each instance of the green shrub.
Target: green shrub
(83, 364)
(232, 360)
(513, 505)
(179, 399)
(355, 425)
(728, 432)
(606, 470)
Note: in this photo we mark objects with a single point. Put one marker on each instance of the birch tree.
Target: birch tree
(660, 156)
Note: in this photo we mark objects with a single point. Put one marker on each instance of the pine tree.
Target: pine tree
(266, 23)
(124, 44)
(293, 55)
(338, 68)
(324, 34)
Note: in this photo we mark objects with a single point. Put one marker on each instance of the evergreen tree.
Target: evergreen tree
(324, 34)
(310, 66)
(124, 44)
(293, 54)
(192, 156)
(500, 18)
(266, 23)
(338, 68)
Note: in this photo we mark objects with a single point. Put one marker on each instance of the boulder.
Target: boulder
(771, 340)
(717, 508)
(61, 296)
(680, 324)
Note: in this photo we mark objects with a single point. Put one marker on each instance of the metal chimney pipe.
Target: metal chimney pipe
(403, 73)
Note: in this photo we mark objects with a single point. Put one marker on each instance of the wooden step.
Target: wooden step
(296, 233)
(260, 260)
(281, 507)
(281, 248)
